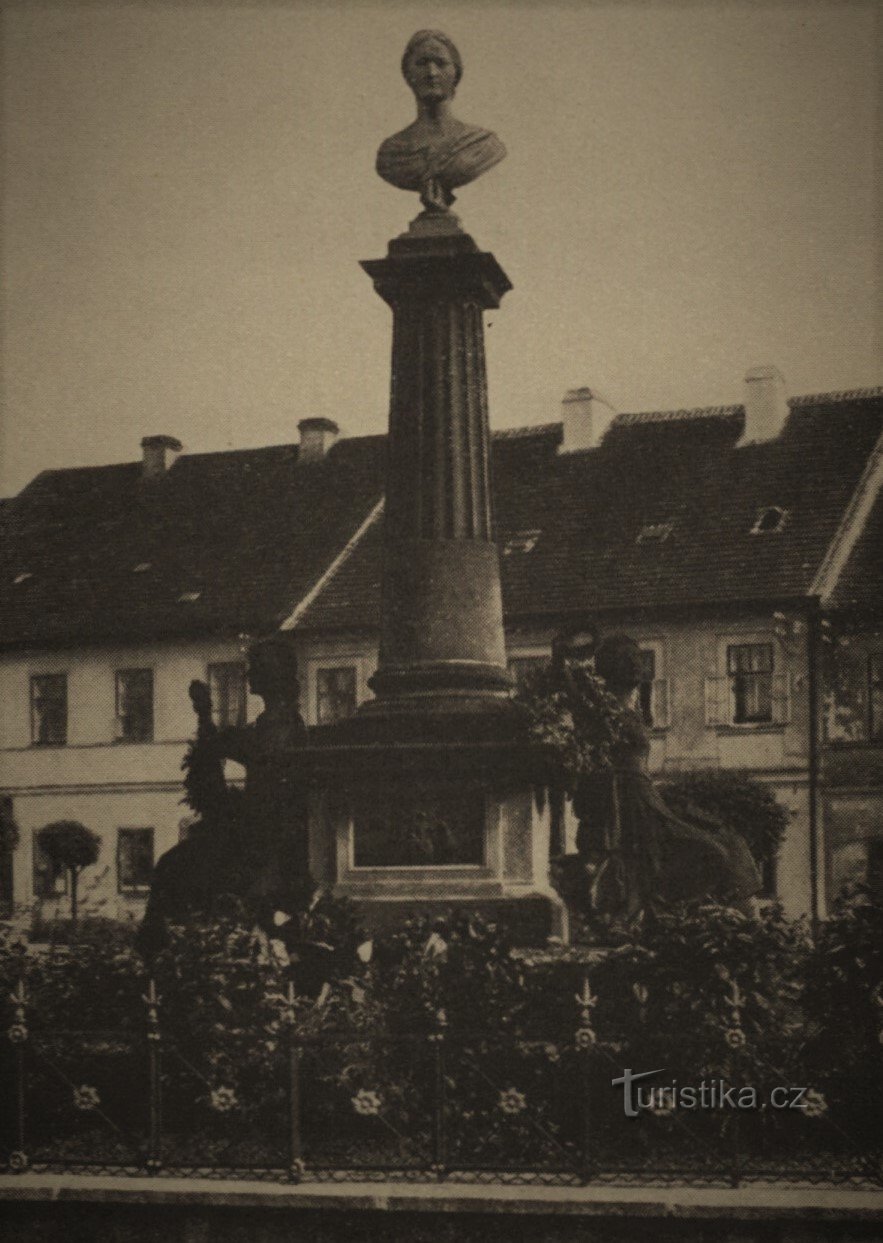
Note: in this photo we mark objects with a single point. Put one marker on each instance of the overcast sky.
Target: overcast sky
(189, 187)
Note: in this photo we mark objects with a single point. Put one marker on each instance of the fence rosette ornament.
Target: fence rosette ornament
(86, 1097)
(224, 1100)
(367, 1103)
(511, 1101)
(814, 1104)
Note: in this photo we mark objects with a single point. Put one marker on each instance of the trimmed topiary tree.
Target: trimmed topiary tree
(70, 845)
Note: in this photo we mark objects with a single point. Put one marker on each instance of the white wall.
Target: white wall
(105, 784)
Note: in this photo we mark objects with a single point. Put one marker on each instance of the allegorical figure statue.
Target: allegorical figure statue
(637, 856)
(250, 845)
(436, 153)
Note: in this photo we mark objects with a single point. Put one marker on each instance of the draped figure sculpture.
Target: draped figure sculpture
(251, 844)
(436, 153)
(634, 855)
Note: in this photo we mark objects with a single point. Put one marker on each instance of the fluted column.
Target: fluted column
(442, 620)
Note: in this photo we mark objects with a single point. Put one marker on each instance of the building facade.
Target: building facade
(739, 545)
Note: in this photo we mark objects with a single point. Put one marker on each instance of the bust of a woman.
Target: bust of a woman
(436, 153)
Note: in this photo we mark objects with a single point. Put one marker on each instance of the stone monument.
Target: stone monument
(426, 792)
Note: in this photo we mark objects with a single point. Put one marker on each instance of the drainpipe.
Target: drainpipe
(812, 657)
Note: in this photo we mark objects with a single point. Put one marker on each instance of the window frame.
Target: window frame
(538, 656)
(242, 708)
(61, 677)
(119, 735)
(134, 889)
(336, 696)
(363, 664)
(61, 873)
(719, 697)
(659, 698)
(751, 685)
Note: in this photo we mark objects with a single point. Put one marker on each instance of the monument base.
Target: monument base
(432, 811)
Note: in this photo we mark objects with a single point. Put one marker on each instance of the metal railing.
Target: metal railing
(354, 1104)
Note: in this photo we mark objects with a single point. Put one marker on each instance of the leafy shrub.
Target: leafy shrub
(843, 1001)
(713, 798)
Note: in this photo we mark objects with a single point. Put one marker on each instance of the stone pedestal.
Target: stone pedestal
(430, 795)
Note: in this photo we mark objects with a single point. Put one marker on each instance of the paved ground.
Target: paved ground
(72, 1207)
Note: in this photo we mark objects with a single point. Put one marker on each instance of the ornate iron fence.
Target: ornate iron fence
(443, 1104)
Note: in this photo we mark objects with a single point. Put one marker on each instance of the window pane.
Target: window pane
(227, 685)
(134, 860)
(407, 828)
(645, 686)
(750, 666)
(135, 705)
(49, 709)
(50, 879)
(335, 694)
(521, 666)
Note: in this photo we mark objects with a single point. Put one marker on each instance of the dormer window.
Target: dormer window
(141, 568)
(521, 541)
(769, 520)
(189, 597)
(22, 578)
(654, 533)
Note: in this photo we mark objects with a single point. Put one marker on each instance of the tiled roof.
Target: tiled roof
(861, 583)
(225, 542)
(231, 542)
(686, 476)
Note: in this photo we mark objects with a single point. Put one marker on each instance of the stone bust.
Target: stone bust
(436, 153)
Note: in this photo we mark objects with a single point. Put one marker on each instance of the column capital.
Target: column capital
(435, 269)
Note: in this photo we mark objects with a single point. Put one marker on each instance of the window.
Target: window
(521, 541)
(875, 697)
(335, 693)
(654, 533)
(769, 521)
(49, 709)
(227, 685)
(50, 879)
(134, 860)
(134, 705)
(410, 828)
(522, 666)
(750, 672)
(645, 686)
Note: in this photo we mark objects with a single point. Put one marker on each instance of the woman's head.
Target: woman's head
(577, 642)
(272, 667)
(431, 64)
(618, 661)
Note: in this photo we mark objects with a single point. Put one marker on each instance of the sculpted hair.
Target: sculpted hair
(618, 661)
(422, 36)
(277, 655)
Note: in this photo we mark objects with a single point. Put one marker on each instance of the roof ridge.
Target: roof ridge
(529, 429)
(845, 394)
(676, 416)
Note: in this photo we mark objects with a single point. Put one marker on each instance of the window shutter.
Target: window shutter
(661, 698)
(712, 700)
(782, 698)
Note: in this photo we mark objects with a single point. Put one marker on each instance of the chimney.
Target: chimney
(766, 406)
(317, 435)
(159, 454)
(586, 415)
